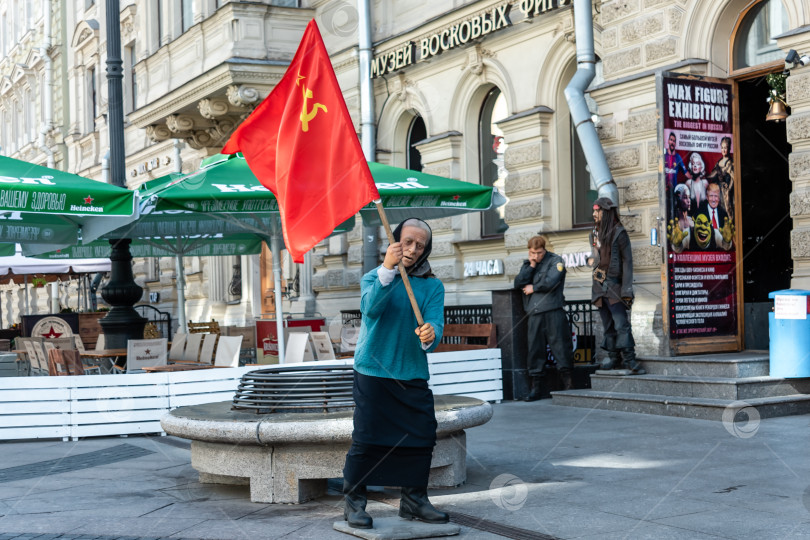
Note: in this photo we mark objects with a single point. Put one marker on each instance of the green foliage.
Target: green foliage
(778, 84)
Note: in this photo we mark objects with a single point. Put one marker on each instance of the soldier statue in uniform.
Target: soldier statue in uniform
(542, 280)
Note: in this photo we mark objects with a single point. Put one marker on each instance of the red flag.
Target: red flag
(301, 144)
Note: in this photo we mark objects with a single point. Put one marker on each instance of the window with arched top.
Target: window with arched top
(491, 148)
(417, 132)
(755, 43)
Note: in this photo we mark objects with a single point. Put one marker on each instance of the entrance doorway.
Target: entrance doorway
(765, 188)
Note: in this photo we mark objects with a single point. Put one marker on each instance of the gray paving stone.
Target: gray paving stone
(398, 529)
(648, 531)
(737, 523)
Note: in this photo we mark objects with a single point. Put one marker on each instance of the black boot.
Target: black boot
(539, 389)
(355, 510)
(631, 363)
(565, 380)
(414, 504)
(613, 361)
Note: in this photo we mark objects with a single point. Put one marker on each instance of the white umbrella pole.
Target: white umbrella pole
(181, 294)
(275, 249)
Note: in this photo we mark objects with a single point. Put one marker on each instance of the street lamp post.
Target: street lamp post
(122, 323)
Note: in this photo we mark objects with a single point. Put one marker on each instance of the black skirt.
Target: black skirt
(394, 432)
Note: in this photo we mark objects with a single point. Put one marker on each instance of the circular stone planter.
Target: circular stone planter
(288, 457)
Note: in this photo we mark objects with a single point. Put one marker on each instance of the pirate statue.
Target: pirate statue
(701, 236)
(612, 290)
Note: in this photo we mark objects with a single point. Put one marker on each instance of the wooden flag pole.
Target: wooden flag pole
(402, 271)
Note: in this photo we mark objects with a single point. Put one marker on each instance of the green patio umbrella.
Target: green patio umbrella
(407, 193)
(224, 196)
(209, 246)
(43, 208)
(226, 189)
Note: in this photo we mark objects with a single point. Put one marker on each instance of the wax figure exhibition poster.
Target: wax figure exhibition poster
(700, 225)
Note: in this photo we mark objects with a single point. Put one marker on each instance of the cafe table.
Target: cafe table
(100, 355)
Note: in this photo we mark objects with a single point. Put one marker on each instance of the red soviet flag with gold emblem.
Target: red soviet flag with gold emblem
(301, 144)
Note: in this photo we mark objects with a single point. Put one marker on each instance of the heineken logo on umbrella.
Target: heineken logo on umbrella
(87, 206)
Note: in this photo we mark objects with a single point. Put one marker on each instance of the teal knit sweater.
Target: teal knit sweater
(387, 346)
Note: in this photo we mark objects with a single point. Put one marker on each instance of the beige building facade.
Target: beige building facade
(472, 90)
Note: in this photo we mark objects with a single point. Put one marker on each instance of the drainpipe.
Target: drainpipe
(47, 102)
(575, 95)
(369, 128)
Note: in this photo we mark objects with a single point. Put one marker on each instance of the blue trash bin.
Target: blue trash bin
(790, 337)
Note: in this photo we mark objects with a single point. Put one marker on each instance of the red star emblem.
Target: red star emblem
(88, 200)
(51, 334)
(456, 197)
(147, 351)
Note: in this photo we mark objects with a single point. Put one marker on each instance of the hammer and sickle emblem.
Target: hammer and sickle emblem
(307, 116)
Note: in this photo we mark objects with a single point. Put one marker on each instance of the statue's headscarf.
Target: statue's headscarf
(421, 268)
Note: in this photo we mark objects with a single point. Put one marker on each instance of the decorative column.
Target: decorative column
(123, 322)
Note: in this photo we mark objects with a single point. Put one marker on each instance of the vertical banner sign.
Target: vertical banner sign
(700, 183)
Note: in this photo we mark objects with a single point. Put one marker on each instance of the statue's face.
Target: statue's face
(696, 167)
(672, 144)
(724, 148)
(703, 230)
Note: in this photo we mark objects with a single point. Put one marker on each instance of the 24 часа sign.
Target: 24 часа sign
(700, 181)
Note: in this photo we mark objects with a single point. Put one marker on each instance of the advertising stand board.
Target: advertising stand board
(702, 285)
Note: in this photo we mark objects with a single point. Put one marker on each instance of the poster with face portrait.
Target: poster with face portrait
(699, 179)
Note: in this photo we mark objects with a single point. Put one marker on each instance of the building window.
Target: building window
(92, 100)
(581, 180)
(491, 147)
(16, 127)
(17, 26)
(153, 269)
(29, 15)
(158, 22)
(755, 43)
(186, 14)
(417, 132)
(3, 132)
(30, 116)
(130, 79)
(235, 284)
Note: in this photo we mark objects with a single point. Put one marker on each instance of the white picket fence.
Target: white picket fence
(105, 405)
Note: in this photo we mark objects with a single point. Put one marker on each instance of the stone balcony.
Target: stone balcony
(201, 85)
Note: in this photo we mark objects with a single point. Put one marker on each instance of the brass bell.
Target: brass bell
(777, 112)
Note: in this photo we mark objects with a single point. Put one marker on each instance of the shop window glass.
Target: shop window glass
(491, 148)
(755, 43)
(416, 133)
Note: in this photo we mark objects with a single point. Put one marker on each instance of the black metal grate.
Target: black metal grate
(296, 389)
